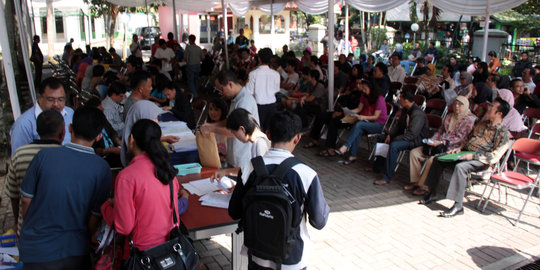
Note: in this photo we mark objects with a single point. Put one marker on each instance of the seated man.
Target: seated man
(488, 141)
(523, 96)
(51, 130)
(51, 95)
(179, 105)
(69, 183)
(395, 70)
(411, 128)
(112, 106)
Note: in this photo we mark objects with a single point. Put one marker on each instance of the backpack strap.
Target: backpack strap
(284, 167)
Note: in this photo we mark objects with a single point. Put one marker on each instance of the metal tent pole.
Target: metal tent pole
(8, 65)
(486, 32)
(175, 22)
(347, 46)
(225, 29)
(331, 55)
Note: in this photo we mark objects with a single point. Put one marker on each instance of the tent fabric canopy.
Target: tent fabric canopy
(476, 7)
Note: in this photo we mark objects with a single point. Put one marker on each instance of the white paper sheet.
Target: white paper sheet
(187, 140)
(216, 199)
(348, 111)
(381, 149)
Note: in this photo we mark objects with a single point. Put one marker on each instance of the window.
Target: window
(265, 24)
(59, 22)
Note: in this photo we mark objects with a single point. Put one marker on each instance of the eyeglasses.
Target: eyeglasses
(53, 100)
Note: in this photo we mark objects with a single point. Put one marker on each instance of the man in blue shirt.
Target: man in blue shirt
(51, 95)
(62, 192)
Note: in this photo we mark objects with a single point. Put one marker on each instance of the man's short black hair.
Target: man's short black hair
(408, 94)
(432, 43)
(382, 67)
(265, 54)
(514, 81)
(399, 56)
(291, 63)
(135, 61)
(504, 107)
(284, 126)
(170, 35)
(51, 82)
(532, 71)
(226, 76)
(314, 74)
(139, 77)
(98, 70)
(93, 102)
(116, 88)
(192, 38)
(161, 42)
(450, 69)
(49, 123)
(525, 53)
(242, 118)
(492, 53)
(88, 122)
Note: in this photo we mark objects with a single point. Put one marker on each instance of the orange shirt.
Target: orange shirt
(494, 65)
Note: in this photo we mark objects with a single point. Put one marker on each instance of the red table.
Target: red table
(202, 222)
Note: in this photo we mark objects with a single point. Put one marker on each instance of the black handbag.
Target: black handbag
(176, 254)
(430, 150)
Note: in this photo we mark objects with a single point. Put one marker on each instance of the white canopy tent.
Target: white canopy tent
(239, 7)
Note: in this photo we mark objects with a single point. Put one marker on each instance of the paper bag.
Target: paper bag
(208, 150)
(381, 149)
(349, 119)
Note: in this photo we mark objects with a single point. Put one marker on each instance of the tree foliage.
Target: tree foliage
(530, 7)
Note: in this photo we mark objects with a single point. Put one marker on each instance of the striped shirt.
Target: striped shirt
(17, 169)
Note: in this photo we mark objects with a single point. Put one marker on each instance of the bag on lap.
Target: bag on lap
(268, 220)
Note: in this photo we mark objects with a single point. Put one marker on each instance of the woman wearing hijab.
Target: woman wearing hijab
(428, 83)
(512, 120)
(464, 89)
(455, 128)
(142, 109)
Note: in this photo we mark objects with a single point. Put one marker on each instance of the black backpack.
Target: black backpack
(267, 220)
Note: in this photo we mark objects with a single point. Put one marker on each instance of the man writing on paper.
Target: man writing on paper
(488, 141)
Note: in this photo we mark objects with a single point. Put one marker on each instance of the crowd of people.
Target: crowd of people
(267, 101)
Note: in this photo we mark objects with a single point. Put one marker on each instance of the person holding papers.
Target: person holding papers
(179, 104)
(487, 144)
(142, 204)
(368, 117)
(411, 128)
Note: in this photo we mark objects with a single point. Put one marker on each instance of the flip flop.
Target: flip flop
(311, 145)
(323, 153)
(349, 161)
(381, 183)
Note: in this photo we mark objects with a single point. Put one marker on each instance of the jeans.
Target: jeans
(391, 159)
(406, 64)
(355, 137)
(192, 78)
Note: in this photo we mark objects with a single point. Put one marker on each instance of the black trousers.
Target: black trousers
(76, 262)
(266, 112)
(39, 71)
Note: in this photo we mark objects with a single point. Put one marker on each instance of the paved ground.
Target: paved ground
(372, 227)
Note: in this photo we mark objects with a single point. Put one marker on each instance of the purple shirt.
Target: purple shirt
(369, 109)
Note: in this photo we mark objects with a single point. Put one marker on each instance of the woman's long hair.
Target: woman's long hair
(374, 91)
(147, 136)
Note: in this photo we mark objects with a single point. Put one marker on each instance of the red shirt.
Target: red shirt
(154, 47)
(142, 204)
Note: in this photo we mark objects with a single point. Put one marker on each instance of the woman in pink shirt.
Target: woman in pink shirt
(142, 203)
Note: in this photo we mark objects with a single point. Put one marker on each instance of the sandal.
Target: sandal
(323, 153)
(349, 161)
(420, 192)
(381, 182)
(410, 187)
(332, 152)
(311, 145)
(369, 169)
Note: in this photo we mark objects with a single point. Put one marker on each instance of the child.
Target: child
(245, 128)
(217, 111)
(252, 48)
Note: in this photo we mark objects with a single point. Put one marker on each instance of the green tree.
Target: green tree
(530, 7)
(109, 12)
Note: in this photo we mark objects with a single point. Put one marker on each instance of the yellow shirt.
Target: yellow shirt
(247, 33)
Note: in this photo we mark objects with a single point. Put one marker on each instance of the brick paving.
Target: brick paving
(383, 227)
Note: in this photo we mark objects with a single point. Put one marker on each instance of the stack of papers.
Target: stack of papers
(204, 186)
(216, 199)
(178, 128)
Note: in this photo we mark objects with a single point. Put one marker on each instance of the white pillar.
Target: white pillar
(486, 32)
(225, 29)
(272, 30)
(8, 66)
(331, 55)
(347, 47)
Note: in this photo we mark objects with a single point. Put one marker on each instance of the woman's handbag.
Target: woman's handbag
(430, 150)
(178, 253)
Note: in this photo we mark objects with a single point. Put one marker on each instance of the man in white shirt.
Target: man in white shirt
(395, 70)
(135, 47)
(263, 84)
(165, 54)
(292, 78)
(526, 76)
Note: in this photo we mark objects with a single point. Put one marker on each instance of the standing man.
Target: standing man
(489, 141)
(194, 56)
(51, 130)
(241, 40)
(135, 47)
(521, 65)
(247, 32)
(396, 73)
(37, 58)
(238, 153)
(263, 84)
(51, 95)
(62, 192)
(411, 128)
(300, 182)
(166, 55)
